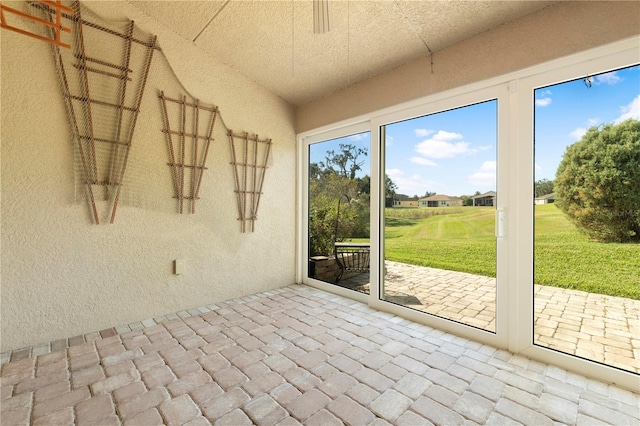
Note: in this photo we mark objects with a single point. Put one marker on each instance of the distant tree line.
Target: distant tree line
(542, 187)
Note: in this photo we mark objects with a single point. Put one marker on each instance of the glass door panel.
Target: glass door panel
(440, 209)
(339, 211)
(587, 218)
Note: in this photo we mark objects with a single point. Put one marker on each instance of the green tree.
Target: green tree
(466, 200)
(333, 183)
(597, 183)
(390, 189)
(364, 185)
(346, 162)
(542, 187)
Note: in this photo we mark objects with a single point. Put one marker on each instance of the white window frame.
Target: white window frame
(499, 338)
(586, 64)
(304, 141)
(514, 92)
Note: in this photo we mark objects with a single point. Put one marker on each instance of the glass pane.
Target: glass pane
(339, 194)
(587, 218)
(439, 235)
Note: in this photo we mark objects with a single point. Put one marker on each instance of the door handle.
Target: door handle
(500, 223)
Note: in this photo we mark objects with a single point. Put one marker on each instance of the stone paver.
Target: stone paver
(593, 326)
(390, 405)
(95, 410)
(295, 356)
(265, 411)
(180, 410)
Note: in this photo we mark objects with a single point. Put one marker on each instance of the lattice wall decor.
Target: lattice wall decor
(55, 25)
(250, 156)
(103, 77)
(189, 139)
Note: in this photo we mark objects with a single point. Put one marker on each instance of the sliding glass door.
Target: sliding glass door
(587, 218)
(339, 189)
(506, 212)
(440, 197)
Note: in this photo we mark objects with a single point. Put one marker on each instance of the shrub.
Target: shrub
(598, 182)
(324, 194)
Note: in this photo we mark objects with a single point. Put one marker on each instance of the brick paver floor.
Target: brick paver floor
(593, 326)
(466, 298)
(293, 356)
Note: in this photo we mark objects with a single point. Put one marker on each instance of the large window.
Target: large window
(339, 190)
(587, 218)
(507, 212)
(439, 220)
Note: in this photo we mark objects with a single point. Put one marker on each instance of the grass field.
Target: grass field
(462, 239)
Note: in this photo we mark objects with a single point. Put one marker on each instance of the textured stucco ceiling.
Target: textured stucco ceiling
(272, 42)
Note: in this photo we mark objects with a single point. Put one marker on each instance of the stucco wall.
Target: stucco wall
(556, 31)
(61, 274)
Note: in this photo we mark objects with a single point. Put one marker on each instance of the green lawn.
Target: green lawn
(462, 239)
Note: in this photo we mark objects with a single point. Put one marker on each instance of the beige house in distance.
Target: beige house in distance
(545, 199)
(440, 200)
(401, 200)
(486, 199)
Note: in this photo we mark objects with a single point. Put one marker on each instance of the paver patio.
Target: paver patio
(291, 356)
(593, 326)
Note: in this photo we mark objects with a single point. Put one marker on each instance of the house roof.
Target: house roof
(546, 197)
(440, 197)
(273, 43)
(486, 194)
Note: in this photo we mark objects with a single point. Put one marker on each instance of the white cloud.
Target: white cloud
(484, 178)
(578, 133)
(544, 99)
(388, 140)
(630, 111)
(394, 173)
(423, 132)
(422, 161)
(412, 185)
(538, 168)
(442, 145)
(543, 102)
(359, 136)
(488, 166)
(610, 78)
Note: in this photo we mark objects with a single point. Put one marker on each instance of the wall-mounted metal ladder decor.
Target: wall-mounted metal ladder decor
(250, 156)
(56, 25)
(103, 77)
(189, 142)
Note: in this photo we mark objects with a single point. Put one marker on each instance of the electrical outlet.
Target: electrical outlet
(178, 266)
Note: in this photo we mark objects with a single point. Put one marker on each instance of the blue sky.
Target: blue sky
(454, 152)
(362, 140)
(451, 152)
(565, 111)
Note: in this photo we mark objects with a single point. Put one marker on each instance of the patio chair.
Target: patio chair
(350, 256)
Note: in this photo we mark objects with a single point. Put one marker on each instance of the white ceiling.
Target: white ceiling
(272, 42)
